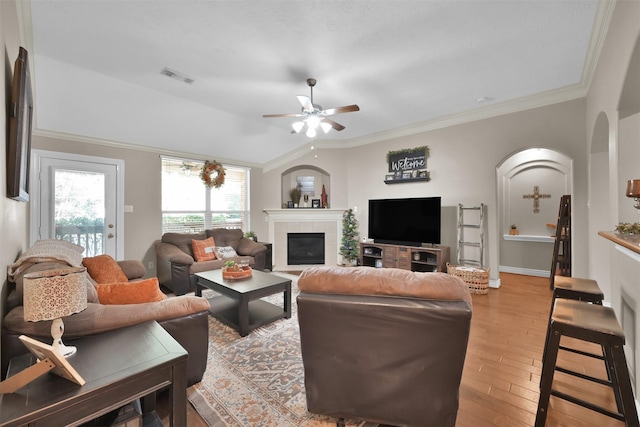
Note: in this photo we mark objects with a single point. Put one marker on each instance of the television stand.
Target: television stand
(422, 259)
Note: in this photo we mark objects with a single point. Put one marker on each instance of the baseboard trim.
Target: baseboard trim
(525, 271)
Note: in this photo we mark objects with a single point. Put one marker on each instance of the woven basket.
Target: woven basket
(476, 279)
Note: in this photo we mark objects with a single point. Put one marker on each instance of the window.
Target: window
(188, 206)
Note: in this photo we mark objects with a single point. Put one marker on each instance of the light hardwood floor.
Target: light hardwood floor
(503, 363)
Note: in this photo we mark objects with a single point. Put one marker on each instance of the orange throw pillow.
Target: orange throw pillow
(138, 292)
(203, 249)
(104, 269)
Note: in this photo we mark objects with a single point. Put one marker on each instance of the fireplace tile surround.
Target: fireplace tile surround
(301, 220)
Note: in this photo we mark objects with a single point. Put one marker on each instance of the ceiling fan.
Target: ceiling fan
(314, 116)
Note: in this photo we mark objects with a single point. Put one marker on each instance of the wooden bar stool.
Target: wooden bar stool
(579, 289)
(592, 323)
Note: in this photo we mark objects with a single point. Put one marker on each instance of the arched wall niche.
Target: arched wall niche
(550, 171)
(312, 178)
(517, 176)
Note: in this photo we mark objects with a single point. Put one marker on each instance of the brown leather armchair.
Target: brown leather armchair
(383, 345)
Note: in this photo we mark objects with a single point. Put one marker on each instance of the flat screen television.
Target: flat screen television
(409, 222)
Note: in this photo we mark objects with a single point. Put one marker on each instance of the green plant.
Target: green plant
(409, 150)
(627, 228)
(349, 248)
(295, 194)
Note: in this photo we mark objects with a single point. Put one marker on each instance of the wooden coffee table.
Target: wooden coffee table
(239, 304)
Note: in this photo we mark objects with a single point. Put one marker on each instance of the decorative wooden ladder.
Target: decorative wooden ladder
(463, 242)
(561, 262)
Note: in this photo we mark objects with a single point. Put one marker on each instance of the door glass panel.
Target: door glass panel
(80, 209)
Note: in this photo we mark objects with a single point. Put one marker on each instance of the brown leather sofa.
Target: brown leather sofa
(185, 318)
(177, 265)
(383, 345)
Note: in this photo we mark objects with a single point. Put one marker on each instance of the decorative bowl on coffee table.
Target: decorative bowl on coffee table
(237, 272)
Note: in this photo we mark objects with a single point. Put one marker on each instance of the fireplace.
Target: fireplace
(284, 221)
(305, 248)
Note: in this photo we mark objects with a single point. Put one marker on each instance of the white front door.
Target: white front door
(78, 199)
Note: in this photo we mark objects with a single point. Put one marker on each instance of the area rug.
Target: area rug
(257, 380)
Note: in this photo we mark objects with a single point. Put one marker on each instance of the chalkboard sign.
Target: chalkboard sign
(408, 160)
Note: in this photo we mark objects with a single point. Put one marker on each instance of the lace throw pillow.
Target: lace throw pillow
(224, 252)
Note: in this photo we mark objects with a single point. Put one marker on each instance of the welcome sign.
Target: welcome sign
(408, 160)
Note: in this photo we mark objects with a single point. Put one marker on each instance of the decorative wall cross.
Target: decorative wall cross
(536, 196)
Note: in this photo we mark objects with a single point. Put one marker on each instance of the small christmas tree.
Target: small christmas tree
(349, 248)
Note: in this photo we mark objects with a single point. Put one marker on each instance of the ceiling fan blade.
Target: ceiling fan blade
(283, 115)
(306, 103)
(345, 109)
(335, 125)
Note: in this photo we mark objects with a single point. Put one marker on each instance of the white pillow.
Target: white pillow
(224, 252)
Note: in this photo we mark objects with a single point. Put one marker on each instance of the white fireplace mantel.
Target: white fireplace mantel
(303, 214)
(305, 219)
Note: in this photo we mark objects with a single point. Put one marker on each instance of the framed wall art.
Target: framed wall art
(20, 122)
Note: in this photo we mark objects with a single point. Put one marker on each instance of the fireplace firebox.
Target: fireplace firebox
(305, 248)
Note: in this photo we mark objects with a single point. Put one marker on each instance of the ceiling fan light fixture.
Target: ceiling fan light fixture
(313, 122)
(314, 116)
(297, 126)
(326, 127)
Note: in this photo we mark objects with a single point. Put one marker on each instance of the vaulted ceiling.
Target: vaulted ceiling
(409, 65)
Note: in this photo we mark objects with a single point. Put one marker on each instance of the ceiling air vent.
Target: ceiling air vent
(176, 75)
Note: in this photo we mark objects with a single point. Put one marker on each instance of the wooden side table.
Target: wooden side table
(268, 260)
(118, 366)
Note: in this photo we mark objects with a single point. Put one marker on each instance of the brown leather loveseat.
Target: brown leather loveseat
(177, 263)
(383, 345)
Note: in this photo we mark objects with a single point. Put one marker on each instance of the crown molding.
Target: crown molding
(601, 23)
(567, 93)
(521, 104)
(129, 146)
